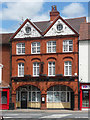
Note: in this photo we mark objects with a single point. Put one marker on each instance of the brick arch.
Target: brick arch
(54, 84)
(23, 84)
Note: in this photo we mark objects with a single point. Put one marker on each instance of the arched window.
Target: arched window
(20, 69)
(35, 48)
(51, 47)
(67, 68)
(20, 48)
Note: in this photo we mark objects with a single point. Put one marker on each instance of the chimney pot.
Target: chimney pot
(54, 13)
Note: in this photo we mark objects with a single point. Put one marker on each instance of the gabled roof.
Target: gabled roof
(59, 17)
(43, 25)
(27, 20)
(74, 22)
(84, 31)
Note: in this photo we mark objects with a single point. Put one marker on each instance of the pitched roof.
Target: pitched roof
(5, 37)
(74, 22)
(43, 25)
(84, 31)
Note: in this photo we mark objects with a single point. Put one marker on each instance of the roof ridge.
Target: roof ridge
(75, 18)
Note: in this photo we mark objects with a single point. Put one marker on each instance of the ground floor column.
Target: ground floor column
(43, 101)
(75, 101)
(14, 100)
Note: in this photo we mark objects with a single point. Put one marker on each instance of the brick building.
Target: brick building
(4, 70)
(44, 63)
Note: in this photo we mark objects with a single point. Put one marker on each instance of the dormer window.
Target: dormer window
(28, 30)
(59, 27)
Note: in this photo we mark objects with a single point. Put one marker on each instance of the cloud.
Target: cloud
(74, 10)
(18, 10)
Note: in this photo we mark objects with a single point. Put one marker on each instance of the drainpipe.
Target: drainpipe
(10, 103)
(78, 79)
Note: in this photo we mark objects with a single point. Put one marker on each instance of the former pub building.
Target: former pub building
(45, 63)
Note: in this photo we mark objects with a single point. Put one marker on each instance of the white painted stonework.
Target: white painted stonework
(1, 66)
(22, 33)
(65, 31)
(83, 61)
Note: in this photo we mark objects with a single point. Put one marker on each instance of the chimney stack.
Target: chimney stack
(54, 13)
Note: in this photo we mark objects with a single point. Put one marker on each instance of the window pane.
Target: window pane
(50, 96)
(33, 96)
(38, 97)
(29, 96)
(4, 97)
(67, 96)
(56, 96)
(63, 96)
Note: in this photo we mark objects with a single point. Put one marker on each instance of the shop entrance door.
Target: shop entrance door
(85, 99)
(24, 100)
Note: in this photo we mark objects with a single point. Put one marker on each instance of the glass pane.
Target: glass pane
(63, 88)
(85, 99)
(33, 96)
(70, 42)
(38, 97)
(38, 43)
(63, 96)
(56, 96)
(33, 44)
(23, 50)
(70, 48)
(67, 96)
(50, 89)
(4, 97)
(29, 96)
(50, 96)
(33, 50)
(56, 88)
(38, 49)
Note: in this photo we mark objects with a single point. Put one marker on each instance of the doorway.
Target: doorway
(24, 100)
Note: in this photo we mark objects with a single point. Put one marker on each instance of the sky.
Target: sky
(13, 13)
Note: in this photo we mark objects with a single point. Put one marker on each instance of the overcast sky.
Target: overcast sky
(12, 14)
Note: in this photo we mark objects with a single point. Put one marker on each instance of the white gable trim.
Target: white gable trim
(65, 31)
(22, 33)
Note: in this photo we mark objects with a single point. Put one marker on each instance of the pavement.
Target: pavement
(37, 114)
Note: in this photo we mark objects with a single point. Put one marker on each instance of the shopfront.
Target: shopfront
(28, 97)
(4, 98)
(84, 96)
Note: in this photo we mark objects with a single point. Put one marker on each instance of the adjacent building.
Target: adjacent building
(4, 70)
(84, 66)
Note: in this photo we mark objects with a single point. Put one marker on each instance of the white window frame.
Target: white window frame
(22, 67)
(1, 66)
(66, 42)
(68, 65)
(35, 48)
(52, 68)
(36, 67)
(21, 47)
(51, 47)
